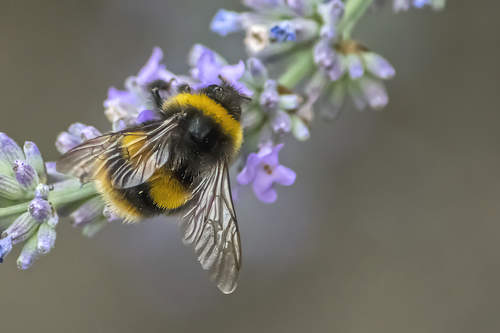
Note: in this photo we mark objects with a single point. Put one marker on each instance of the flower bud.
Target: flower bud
(299, 129)
(25, 175)
(354, 66)
(10, 188)
(9, 150)
(91, 229)
(378, 66)
(29, 254)
(269, 99)
(35, 159)
(66, 141)
(257, 70)
(21, 229)
(109, 214)
(281, 123)
(374, 93)
(90, 132)
(89, 211)
(46, 238)
(5, 247)
(225, 22)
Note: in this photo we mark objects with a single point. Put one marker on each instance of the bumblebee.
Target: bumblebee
(175, 165)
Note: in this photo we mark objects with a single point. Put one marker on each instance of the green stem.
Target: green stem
(300, 67)
(71, 192)
(354, 10)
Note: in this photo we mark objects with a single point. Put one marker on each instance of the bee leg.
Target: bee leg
(155, 91)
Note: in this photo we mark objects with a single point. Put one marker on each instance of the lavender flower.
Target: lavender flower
(91, 212)
(263, 170)
(75, 135)
(122, 107)
(22, 178)
(208, 68)
(404, 5)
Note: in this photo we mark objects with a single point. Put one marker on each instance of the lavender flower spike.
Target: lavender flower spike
(263, 170)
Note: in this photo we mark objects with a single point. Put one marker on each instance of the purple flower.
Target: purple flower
(46, 238)
(374, 92)
(9, 150)
(147, 116)
(210, 67)
(354, 66)
(226, 22)
(77, 133)
(91, 210)
(263, 170)
(378, 66)
(35, 159)
(123, 106)
(154, 70)
(403, 5)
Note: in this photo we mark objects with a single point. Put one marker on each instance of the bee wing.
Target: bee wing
(132, 163)
(210, 226)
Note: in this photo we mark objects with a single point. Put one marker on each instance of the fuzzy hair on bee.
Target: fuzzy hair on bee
(176, 165)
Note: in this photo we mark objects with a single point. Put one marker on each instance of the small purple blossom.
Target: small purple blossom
(124, 106)
(9, 150)
(147, 116)
(209, 68)
(46, 238)
(404, 5)
(35, 159)
(354, 66)
(226, 22)
(77, 133)
(263, 170)
(378, 66)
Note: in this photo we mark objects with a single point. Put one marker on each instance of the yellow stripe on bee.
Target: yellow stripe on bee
(212, 109)
(166, 191)
(132, 142)
(115, 198)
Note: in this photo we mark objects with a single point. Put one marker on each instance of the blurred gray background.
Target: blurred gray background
(393, 224)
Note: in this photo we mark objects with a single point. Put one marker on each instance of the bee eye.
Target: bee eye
(218, 90)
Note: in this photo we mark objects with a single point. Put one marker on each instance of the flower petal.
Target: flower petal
(269, 196)
(225, 22)
(148, 73)
(247, 175)
(284, 176)
(147, 116)
(271, 155)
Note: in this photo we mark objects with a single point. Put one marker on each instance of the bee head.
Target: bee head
(227, 96)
